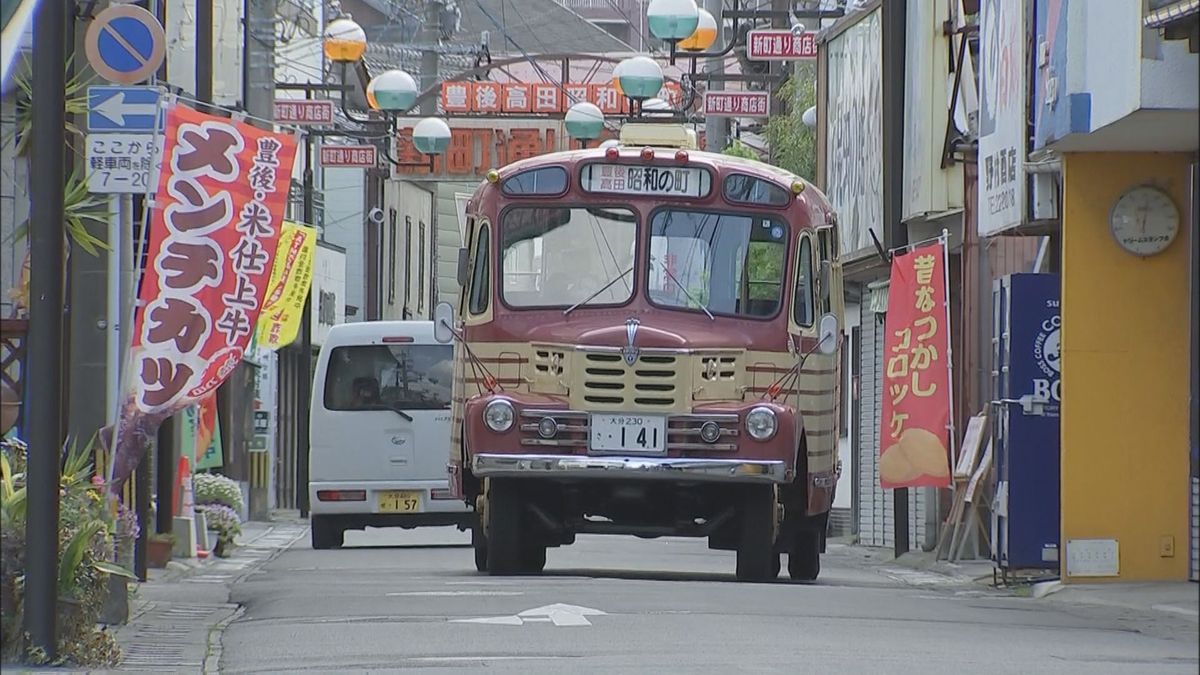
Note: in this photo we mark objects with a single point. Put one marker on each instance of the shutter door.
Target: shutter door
(876, 524)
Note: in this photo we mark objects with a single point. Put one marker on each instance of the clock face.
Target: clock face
(1144, 221)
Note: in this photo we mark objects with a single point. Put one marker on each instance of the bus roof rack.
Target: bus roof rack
(659, 135)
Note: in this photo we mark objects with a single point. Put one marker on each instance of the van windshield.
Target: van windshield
(389, 377)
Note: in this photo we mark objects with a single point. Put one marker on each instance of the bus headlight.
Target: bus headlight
(498, 415)
(761, 424)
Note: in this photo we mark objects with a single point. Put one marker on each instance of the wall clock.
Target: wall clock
(1144, 220)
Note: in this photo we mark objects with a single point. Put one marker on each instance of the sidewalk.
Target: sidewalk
(178, 614)
(1173, 599)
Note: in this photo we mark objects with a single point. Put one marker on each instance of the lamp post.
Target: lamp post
(392, 93)
(672, 21)
(584, 121)
(640, 79)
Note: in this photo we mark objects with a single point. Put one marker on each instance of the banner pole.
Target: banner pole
(949, 341)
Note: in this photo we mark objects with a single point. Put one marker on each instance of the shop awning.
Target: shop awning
(1175, 13)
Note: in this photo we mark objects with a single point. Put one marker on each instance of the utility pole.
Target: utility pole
(47, 171)
(258, 99)
(716, 129)
(305, 380)
(896, 234)
(430, 59)
(204, 50)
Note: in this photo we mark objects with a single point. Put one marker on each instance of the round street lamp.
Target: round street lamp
(344, 40)
(584, 121)
(392, 91)
(431, 136)
(657, 106)
(704, 36)
(672, 20)
(640, 77)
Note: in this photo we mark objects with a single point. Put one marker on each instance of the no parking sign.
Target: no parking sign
(125, 44)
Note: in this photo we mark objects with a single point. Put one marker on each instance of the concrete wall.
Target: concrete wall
(1095, 65)
(344, 222)
(1125, 388)
(449, 239)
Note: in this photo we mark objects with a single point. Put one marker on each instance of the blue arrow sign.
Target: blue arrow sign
(124, 109)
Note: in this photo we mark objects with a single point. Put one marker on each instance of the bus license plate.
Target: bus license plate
(399, 501)
(641, 434)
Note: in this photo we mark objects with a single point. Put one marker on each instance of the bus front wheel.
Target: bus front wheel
(506, 554)
(756, 556)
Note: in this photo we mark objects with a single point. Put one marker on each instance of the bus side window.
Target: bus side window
(802, 300)
(480, 276)
(826, 244)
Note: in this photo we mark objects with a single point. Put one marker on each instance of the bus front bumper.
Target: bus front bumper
(637, 468)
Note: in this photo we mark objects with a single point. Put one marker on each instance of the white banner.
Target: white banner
(1002, 116)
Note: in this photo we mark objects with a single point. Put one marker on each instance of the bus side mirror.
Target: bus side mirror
(443, 323)
(463, 259)
(828, 334)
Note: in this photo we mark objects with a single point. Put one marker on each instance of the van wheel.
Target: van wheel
(804, 558)
(757, 546)
(326, 533)
(505, 550)
(479, 543)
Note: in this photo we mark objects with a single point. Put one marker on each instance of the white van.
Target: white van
(380, 431)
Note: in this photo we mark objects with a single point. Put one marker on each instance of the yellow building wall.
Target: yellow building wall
(1125, 369)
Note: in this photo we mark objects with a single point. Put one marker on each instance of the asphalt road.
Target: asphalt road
(402, 601)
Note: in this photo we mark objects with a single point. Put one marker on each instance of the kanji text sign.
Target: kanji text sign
(123, 163)
(914, 433)
(690, 181)
(780, 45)
(352, 156)
(303, 112)
(736, 103)
(540, 97)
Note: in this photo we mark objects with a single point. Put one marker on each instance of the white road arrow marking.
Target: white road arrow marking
(558, 614)
(114, 108)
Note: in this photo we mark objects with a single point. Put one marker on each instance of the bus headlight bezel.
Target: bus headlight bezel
(762, 423)
(499, 415)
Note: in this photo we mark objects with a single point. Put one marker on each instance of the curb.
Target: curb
(212, 659)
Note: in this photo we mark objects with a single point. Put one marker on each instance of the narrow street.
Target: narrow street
(402, 600)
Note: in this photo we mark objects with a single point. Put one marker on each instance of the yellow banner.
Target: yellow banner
(291, 278)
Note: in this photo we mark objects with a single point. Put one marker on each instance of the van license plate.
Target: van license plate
(399, 501)
(637, 434)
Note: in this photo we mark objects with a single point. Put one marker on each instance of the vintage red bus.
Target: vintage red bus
(647, 343)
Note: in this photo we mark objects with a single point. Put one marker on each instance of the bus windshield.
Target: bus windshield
(717, 262)
(563, 257)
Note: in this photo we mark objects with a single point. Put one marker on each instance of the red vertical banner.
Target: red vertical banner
(217, 217)
(915, 435)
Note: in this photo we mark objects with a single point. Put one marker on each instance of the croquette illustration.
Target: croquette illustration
(919, 453)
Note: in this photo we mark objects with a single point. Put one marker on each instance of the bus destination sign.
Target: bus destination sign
(689, 181)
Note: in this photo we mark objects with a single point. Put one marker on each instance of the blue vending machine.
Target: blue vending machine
(1026, 362)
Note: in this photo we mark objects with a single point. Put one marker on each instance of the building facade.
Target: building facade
(1115, 101)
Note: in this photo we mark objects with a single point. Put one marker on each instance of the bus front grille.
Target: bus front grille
(652, 382)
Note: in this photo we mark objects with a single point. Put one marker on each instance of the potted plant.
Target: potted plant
(158, 549)
(223, 521)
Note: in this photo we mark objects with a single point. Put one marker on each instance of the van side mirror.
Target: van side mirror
(827, 334)
(463, 258)
(443, 323)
